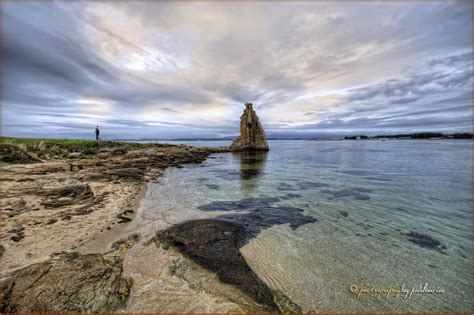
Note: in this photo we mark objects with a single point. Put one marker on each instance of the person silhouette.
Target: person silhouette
(97, 132)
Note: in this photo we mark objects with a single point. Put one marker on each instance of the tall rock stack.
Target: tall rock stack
(252, 136)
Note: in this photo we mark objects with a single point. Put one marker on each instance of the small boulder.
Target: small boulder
(74, 155)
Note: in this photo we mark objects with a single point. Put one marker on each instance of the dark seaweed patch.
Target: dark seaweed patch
(370, 175)
(362, 190)
(227, 175)
(424, 240)
(353, 172)
(344, 214)
(304, 185)
(290, 196)
(265, 217)
(311, 185)
(247, 204)
(260, 212)
(380, 179)
(213, 186)
(355, 193)
(239, 205)
(285, 187)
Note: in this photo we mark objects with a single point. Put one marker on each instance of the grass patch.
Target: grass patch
(46, 149)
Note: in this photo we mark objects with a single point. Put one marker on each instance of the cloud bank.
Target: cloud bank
(171, 70)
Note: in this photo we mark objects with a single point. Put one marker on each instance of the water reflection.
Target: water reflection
(252, 165)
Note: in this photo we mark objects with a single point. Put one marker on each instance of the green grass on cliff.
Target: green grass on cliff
(76, 144)
(22, 150)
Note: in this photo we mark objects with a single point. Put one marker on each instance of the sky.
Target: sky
(185, 70)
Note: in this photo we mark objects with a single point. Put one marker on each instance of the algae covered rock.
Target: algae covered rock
(14, 154)
(215, 245)
(252, 136)
(285, 304)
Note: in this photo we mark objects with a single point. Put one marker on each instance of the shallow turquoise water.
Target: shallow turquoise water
(329, 214)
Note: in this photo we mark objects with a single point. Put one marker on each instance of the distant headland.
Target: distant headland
(417, 135)
(414, 136)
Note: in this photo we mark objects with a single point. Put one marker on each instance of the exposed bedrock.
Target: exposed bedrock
(71, 282)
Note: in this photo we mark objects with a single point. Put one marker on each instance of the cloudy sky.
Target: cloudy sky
(172, 70)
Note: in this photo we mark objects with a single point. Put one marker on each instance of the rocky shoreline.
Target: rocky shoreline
(56, 212)
(53, 207)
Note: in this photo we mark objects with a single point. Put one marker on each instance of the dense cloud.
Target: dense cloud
(170, 70)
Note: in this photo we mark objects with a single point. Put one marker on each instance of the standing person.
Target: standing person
(97, 132)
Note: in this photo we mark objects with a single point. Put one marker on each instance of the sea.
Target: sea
(340, 226)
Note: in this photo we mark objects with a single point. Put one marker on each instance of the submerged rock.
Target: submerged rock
(252, 136)
(214, 245)
(425, 241)
(72, 282)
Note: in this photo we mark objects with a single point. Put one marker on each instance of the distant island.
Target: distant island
(417, 135)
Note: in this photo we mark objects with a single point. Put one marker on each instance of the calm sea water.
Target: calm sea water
(328, 215)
